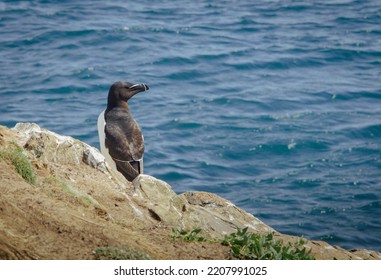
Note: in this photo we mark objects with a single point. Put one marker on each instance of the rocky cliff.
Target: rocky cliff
(75, 207)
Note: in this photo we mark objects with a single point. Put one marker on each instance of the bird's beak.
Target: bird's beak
(139, 87)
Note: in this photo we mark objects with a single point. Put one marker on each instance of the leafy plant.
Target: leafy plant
(182, 234)
(14, 154)
(250, 246)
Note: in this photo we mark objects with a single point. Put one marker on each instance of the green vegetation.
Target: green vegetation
(250, 246)
(116, 253)
(14, 154)
(182, 234)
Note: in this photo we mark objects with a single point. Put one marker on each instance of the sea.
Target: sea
(274, 105)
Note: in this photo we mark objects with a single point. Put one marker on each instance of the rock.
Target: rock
(215, 215)
(161, 201)
(366, 254)
(219, 216)
(51, 147)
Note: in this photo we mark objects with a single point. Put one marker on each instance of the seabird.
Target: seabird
(120, 136)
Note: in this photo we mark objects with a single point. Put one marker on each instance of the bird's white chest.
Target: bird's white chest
(102, 138)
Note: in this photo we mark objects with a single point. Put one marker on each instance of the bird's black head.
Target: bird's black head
(121, 92)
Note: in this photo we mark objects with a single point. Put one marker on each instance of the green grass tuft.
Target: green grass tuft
(116, 253)
(250, 246)
(14, 154)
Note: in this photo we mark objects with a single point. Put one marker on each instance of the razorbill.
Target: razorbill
(120, 136)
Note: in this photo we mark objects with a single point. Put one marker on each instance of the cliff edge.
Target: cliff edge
(74, 207)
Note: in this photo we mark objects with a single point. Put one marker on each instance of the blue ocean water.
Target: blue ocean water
(274, 105)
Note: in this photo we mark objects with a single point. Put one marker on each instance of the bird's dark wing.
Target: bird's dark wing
(125, 142)
(122, 152)
(128, 169)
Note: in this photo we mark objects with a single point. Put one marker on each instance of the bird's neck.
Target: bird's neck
(121, 105)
